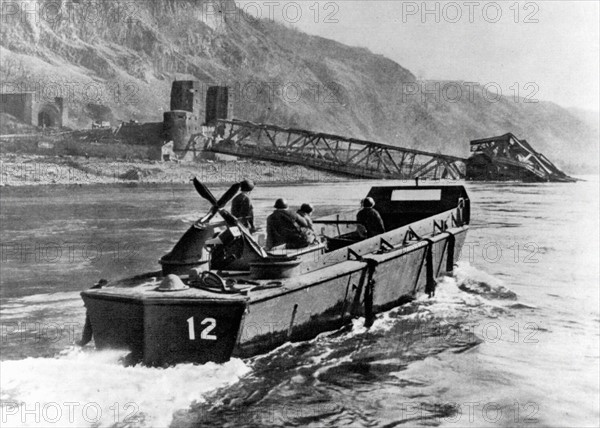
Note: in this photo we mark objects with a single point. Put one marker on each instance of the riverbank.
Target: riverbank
(36, 170)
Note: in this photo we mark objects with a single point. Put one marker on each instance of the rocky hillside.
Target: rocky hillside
(116, 60)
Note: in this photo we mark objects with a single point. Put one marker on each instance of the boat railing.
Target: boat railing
(335, 222)
(405, 238)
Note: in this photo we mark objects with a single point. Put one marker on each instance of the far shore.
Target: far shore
(20, 170)
(29, 170)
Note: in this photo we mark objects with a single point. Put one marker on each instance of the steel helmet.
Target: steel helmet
(172, 283)
(307, 208)
(247, 185)
(368, 202)
(281, 204)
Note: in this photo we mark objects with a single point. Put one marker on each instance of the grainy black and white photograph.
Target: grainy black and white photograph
(310, 213)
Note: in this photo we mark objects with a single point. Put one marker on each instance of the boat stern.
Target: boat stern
(162, 328)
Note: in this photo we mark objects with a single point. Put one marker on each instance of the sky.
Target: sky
(546, 50)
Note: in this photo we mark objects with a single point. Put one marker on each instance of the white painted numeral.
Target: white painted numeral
(190, 322)
(211, 324)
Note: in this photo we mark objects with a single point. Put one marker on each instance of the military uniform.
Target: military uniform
(305, 223)
(241, 207)
(283, 229)
(371, 220)
(304, 220)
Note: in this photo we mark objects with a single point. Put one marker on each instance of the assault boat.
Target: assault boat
(220, 294)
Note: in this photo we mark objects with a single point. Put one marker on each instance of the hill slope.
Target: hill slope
(125, 57)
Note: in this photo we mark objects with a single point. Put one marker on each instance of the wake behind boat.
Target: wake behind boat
(221, 294)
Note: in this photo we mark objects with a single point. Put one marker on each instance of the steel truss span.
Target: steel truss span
(330, 152)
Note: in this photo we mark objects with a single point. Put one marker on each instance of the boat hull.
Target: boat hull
(243, 313)
(398, 277)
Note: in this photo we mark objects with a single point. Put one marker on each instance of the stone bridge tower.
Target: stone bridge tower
(186, 115)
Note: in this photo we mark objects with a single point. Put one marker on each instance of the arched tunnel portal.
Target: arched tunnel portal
(49, 116)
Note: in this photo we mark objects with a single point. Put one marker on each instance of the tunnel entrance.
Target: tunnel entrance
(48, 117)
(45, 120)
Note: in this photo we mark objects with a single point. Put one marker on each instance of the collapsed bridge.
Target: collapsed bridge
(329, 152)
(506, 157)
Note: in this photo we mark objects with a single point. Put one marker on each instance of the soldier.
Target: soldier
(241, 206)
(283, 229)
(305, 222)
(303, 216)
(370, 219)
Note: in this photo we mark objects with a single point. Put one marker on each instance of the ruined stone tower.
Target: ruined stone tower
(219, 104)
(185, 118)
(194, 114)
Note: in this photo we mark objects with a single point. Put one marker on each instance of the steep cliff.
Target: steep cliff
(124, 55)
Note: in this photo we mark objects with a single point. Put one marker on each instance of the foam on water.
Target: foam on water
(143, 396)
(102, 391)
(334, 377)
(448, 306)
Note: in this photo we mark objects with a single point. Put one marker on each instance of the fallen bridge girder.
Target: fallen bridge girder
(331, 152)
(506, 157)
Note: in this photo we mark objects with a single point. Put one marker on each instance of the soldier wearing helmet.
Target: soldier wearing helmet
(370, 219)
(305, 222)
(241, 206)
(283, 229)
(303, 216)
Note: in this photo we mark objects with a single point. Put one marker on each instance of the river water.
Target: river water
(511, 339)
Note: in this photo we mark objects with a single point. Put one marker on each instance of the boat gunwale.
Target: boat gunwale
(397, 250)
(156, 300)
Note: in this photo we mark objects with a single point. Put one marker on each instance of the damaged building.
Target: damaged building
(193, 115)
(28, 108)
